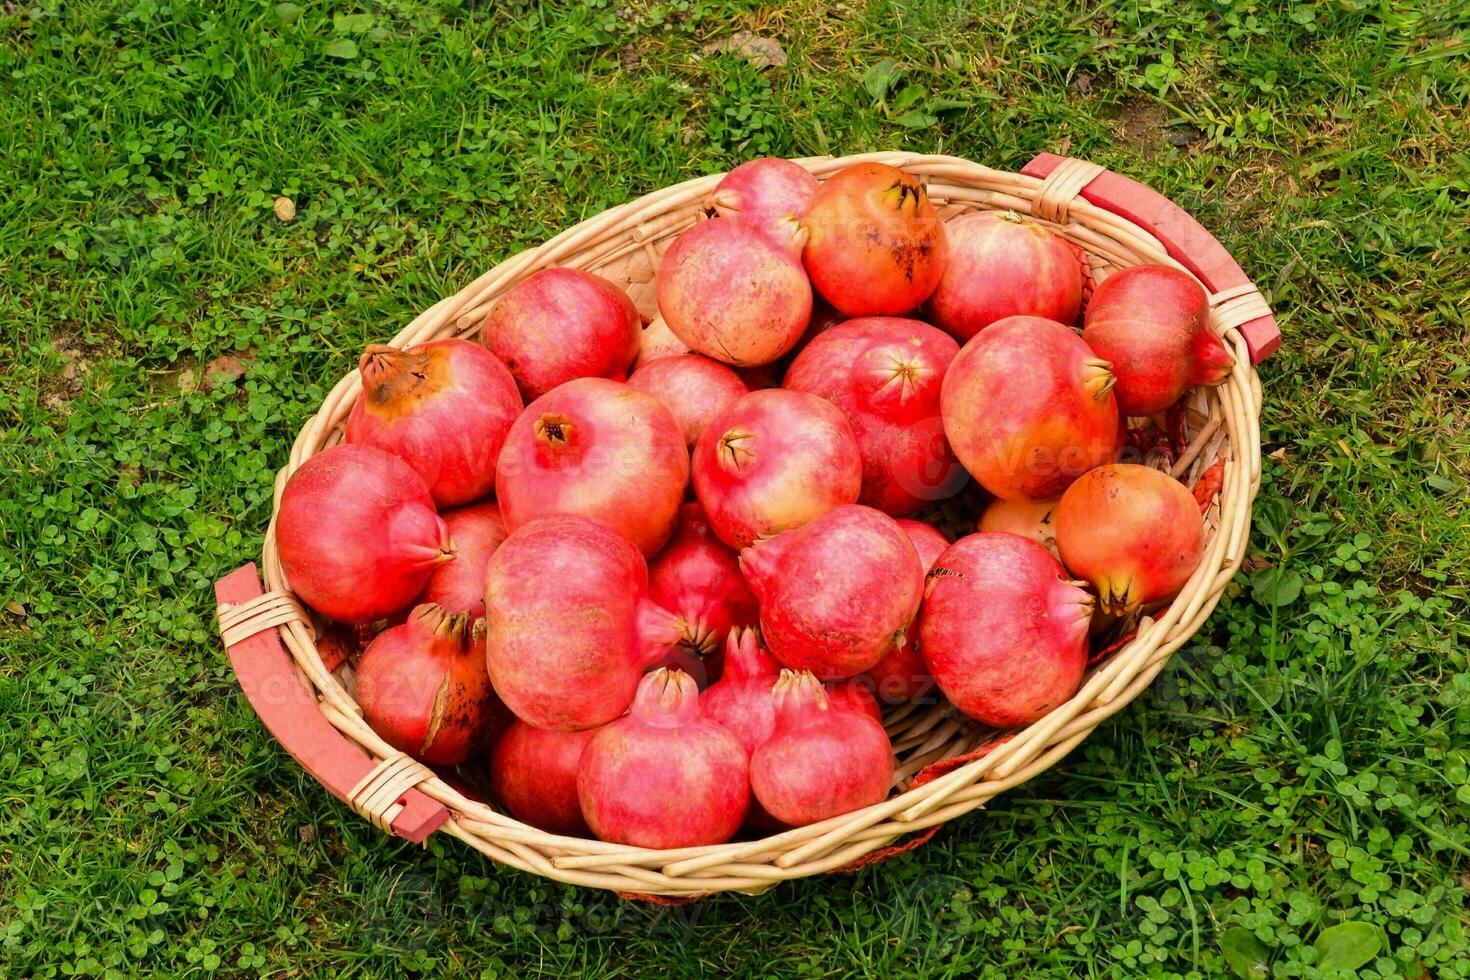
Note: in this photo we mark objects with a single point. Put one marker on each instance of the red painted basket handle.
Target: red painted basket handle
(1233, 295)
(381, 791)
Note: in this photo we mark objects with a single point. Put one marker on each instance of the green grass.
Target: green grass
(1305, 762)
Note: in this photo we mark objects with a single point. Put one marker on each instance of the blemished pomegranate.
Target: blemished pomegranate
(459, 585)
(422, 686)
(837, 593)
(902, 674)
(1002, 264)
(570, 626)
(876, 246)
(771, 462)
(444, 407)
(1034, 519)
(763, 190)
(818, 762)
(1152, 323)
(1003, 630)
(885, 373)
(697, 577)
(533, 773)
(598, 449)
(741, 699)
(1028, 408)
(692, 387)
(560, 324)
(357, 534)
(664, 776)
(735, 292)
(1136, 534)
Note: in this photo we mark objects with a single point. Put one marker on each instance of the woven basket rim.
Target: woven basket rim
(1230, 432)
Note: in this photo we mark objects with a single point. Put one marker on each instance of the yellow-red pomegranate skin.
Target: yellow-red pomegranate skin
(533, 773)
(1135, 533)
(694, 388)
(1034, 519)
(902, 674)
(1028, 408)
(876, 245)
(459, 586)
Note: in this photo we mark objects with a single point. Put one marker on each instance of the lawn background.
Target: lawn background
(1305, 762)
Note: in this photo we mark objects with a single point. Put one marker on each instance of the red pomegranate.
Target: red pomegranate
(734, 292)
(902, 674)
(533, 773)
(1028, 408)
(876, 246)
(818, 763)
(772, 461)
(570, 626)
(444, 407)
(1133, 532)
(459, 585)
(598, 449)
(837, 593)
(560, 324)
(691, 386)
(1002, 264)
(1034, 519)
(423, 687)
(664, 776)
(885, 375)
(357, 534)
(698, 578)
(1003, 630)
(741, 699)
(763, 190)
(853, 694)
(1152, 322)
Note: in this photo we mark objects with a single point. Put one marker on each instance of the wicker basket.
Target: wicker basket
(947, 765)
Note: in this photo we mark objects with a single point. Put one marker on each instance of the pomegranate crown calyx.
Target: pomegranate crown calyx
(666, 698)
(798, 689)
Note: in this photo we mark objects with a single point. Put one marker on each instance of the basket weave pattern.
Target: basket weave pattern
(623, 244)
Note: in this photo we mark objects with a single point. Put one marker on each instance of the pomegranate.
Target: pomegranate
(570, 625)
(741, 699)
(659, 341)
(533, 773)
(734, 292)
(599, 449)
(560, 324)
(1003, 630)
(1034, 519)
(876, 245)
(763, 190)
(818, 763)
(698, 578)
(664, 776)
(357, 534)
(1000, 265)
(902, 675)
(853, 694)
(459, 585)
(1028, 408)
(772, 461)
(444, 407)
(885, 375)
(1152, 322)
(837, 593)
(691, 386)
(423, 687)
(1133, 532)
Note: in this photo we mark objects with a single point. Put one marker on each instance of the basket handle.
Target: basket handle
(280, 696)
(1188, 242)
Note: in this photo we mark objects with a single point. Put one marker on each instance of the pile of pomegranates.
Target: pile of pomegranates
(653, 583)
